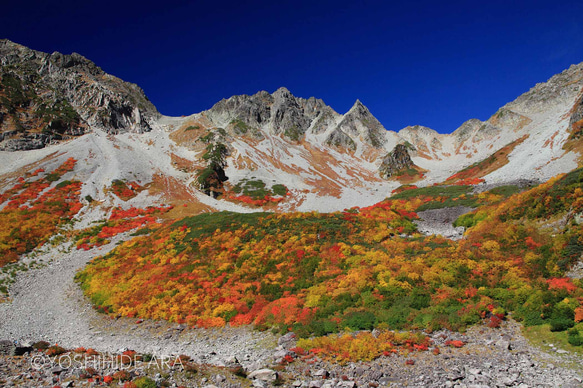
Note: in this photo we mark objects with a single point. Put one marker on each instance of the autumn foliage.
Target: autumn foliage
(363, 346)
(125, 190)
(120, 221)
(359, 269)
(35, 208)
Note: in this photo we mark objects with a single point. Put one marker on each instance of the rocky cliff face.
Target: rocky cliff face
(360, 123)
(279, 113)
(395, 162)
(576, 121)
(292, 117)
(49, 97)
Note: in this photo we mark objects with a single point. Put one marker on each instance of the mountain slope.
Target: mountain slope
(325, 160)
(50, 97)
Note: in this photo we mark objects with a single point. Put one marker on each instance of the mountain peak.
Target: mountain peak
(418, 129)
(281, 90)
(358, 105)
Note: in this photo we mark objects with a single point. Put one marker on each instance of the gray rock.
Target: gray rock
(260, 384)
(268, 375)
(7, 347)
(286, 340)
(358, 122)
(323, 373)
(396, 161)
(504, 344)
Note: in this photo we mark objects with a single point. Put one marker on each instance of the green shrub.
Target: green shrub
(318, 328)
(293, 133)
(575, 340)
(360, 320)
(561, 318)
(145, 382)
(279, 189)
(532, 318)
(419, 299)
(434, 191)
(41, 345)
(470, 219)
(505, 191)
(63, 184)
(574, 337)
(561, 323)
(240, 126)
(53, 177)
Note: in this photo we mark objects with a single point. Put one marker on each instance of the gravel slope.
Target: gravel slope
(47, 304)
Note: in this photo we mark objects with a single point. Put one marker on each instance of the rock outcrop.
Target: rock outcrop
(45, 98)
(396, 161)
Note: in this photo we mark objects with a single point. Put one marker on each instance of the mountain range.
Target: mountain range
(55, 106)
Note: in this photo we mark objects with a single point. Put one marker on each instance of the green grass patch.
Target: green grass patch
(240, 126)
(542, 336)
(279, 189)
(207, 223)
(257, 189)
(434, 191)
(505, 191)
(444, 196)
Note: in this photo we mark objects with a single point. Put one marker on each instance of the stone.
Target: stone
(323, 373)
(260, 384)
(91, 98)
(504, 344)
(286, 339)
(7, 347)
(268, 375)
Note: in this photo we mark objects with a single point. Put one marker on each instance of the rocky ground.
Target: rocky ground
(491, 358)
(440, 221)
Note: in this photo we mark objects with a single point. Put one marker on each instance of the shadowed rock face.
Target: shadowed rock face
(340, 139)
(45, 98)
(396, 161)
(576, 122)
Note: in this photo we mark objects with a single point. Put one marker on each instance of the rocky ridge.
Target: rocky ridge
(46, 98)
(50, 97)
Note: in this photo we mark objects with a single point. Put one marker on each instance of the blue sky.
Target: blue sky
(433, 63)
